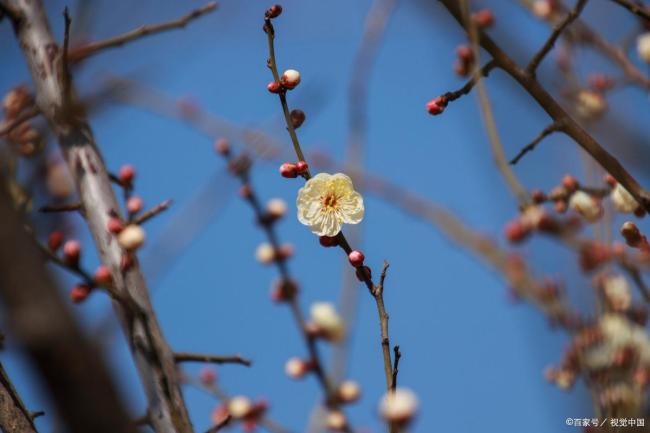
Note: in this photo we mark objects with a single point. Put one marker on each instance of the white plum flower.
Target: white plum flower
(327, 201)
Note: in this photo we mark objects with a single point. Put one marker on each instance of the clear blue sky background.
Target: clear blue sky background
(474, 359)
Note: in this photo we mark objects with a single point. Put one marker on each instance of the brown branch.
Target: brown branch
(557, 113)
(212, 359)
(153, 357)
(19, 120)
(397, 356)
(635, 7)
(553, 127)
(146, 216)
(14, 416)
(215, 428)
(93, 48)
(557, 31)
(483, 72)
(55, 208)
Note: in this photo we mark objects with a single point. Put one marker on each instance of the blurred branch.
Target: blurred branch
(26, 115)
(87, 50)
(212, 359)
(581, 32)
(152, 355)
(555, 34)
(635, 7)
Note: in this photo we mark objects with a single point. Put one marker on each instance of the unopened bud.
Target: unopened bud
(131, 237)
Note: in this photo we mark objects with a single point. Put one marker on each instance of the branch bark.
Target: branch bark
(14, 416)
(153, 357)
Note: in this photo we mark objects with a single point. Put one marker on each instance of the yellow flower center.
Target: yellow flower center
(329, 201)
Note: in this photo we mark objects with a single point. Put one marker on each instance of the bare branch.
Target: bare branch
(146, 216)
(397, 355)
(14, 416)
(557, 31)
(635, 7)
(553, 127)
(54, 208)
(93, 48)
(213, 359)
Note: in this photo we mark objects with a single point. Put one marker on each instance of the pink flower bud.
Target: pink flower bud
(516, 231)
(465, 53)
(483, 18)
(274, 87)
(126, 174)
(437, 105)
(290, 79)
(103, 275)
(336, 421)
(302, 167)
(289, 170)
(71, 252)
(208, 376)
(79, 293)
(286, 251)
(134, 204)
(222, 147)
(55, 240)
(114, 225)
(356, 258)
(570, 182)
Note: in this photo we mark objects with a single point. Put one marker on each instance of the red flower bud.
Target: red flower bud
(126, 174)
(289, 170)
(103, 276)
(79, 293)
(274, 87)
(302, 167)
(55, 240)
(274, 11)
(222, 147)
(71, 252)
(328, 241)
(114, 225)
(356, 258)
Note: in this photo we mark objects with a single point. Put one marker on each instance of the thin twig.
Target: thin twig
(65, 71)
(223, 423)
(92, 48)
(635, 7)
(146, 216)
(212, 359)
(557, 31)
(54, 208)
(482, 72)
(396, 357)
(553, 127)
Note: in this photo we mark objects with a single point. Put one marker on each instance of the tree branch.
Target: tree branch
(153, 357)
(482, 72)
(557, 31)
(213, 359)
(14, 416)
(635, 7)
(553, 127)
(20, 119)
(557, 113)
(93, 48)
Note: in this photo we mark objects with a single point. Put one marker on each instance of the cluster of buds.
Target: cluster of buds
(464, 61)
(289, 80)
(536, 218)
(241, 409)
(26, 139)
(325, 322)
(398, 407)
(291, 170)
(437, 105)
(70, 257)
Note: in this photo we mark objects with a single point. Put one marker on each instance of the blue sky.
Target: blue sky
(474, 359)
